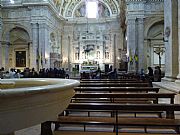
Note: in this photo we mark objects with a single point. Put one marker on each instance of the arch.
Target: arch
(19, 49)
(6, 31)
(156, 29)
(79, 4)
(18, 31)
(151, 22)
(154, 36)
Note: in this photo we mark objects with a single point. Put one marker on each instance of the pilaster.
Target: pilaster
(131, 42)
(171, 44)
(34, 47)
(178, 77)
(69, 52)
(5, 55)
(140, 44)
(114, 50)
(1, 56)
(44, 46)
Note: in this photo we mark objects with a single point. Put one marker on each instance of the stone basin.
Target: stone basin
(31, 101)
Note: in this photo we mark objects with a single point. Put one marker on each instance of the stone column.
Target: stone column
(147, 58)
(69, 52)
(171, 44)
(1, 23)
(114, 50)
(47, 46)
(140, 45)
(33, 47)
(131, 42)
(44, 46)
(5, 55)
(178, 77)
(1, 43)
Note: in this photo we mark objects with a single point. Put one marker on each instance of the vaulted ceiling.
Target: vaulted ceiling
(74, 8)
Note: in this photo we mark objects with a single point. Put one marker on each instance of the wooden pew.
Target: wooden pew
(116, 84)
(117, 89)
(110, 80)
(148, 98)
(168, 108)
(112, 96)
(169, 121)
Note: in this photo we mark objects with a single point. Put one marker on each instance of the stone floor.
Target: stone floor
(35, 130)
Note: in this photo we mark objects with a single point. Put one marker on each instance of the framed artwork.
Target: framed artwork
(20, 58)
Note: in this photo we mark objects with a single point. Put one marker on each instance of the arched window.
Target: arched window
(92, 8)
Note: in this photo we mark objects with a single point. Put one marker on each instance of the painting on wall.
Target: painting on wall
(20, 58)
(103, 11)
(81, 12)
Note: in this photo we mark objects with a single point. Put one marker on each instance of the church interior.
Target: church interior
(76, 38)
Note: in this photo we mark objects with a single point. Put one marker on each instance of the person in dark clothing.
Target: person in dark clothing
(98, 73)
(157, 74)
(150, 74)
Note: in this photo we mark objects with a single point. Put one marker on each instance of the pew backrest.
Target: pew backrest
(168, 108)
(118, 89)
(112, 96)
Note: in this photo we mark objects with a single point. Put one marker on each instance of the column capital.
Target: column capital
(34, 25)
(141, 19)
(43, 25)
(131, 21)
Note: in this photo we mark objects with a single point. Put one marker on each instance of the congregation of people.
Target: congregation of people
(152, 75)
(32, 73)
(99, 74)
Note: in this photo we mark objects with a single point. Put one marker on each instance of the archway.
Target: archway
(19, 49)
(155, 45)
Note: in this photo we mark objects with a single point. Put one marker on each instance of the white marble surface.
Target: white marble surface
(170, 86)
(33, 101)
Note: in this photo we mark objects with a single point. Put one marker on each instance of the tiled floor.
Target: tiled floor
(35, 130)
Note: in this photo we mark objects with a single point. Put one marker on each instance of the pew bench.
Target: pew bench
(117, 121)
(117, 89)
(116, 84)
(128, 122)
(97, 133)
(126, 96)
(112, 81)
(148, 98)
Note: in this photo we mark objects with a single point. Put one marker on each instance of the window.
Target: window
(92, 7)
(159, 55)
(12, 1)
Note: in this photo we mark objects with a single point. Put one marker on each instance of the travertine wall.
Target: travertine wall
(39, 21)
(138, 12)
(171, 25)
